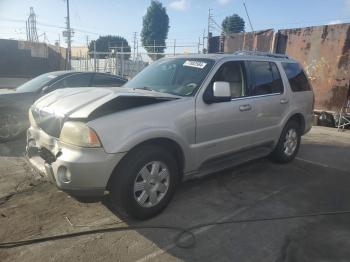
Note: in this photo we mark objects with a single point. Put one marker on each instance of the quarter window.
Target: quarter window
(297, 79)
(266, 78)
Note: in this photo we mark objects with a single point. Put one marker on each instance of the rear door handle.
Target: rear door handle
(245, 107)
(284, 101)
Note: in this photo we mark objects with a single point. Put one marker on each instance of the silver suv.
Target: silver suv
(180, 117)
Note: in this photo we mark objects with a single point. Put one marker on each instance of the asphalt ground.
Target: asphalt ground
(317, 181)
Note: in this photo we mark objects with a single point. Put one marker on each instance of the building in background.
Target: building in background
(23, 60)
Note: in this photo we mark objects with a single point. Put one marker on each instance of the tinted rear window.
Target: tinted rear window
(296, 76)
(266, 78)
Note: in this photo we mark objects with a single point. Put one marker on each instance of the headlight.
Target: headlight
(31, 118)
(79, 134)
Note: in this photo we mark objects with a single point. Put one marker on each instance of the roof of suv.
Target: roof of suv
(245, 55)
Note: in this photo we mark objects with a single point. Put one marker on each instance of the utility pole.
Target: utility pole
(32, 34)
(87, 41)
(137, 49)
(203, 41)
(87, 55)
(27, 30)
(68, 33)
(210, 17)
(174, 47)
(95, 55)
(135, 35)
(199, 45)
(122, 62)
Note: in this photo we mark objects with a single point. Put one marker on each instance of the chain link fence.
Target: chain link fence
(115, 62)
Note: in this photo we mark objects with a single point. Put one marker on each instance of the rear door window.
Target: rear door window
(101, 80)
(297, 79)
(76, 80)
(266, 78)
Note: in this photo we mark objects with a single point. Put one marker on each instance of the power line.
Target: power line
(48, 25)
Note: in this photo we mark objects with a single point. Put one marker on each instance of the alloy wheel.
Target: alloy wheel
(151, 184)
(291, 142)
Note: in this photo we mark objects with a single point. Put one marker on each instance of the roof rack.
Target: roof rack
(258, 53)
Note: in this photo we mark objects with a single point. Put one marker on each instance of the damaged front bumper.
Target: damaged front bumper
(75, 170)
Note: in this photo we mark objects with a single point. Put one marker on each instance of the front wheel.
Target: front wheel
(145, 181)
(288, 144)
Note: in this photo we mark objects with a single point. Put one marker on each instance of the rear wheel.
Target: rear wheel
(288, 144)
(12, 124)
(145, 181)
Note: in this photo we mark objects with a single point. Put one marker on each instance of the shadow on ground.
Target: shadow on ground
(14, 148)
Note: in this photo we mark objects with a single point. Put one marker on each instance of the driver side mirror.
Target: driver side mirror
(220, 92)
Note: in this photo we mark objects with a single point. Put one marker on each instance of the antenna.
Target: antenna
(246, 11)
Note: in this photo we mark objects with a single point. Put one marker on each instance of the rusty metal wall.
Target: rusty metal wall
(324, 51)
(260, 40)
(214, 45)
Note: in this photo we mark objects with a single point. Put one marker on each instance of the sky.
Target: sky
(188, 18)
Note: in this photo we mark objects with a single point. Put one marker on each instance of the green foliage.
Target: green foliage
(155, 29)
(103, 43)
(233, 24)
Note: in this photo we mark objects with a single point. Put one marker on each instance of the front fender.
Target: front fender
(148, 134)
(125, 144)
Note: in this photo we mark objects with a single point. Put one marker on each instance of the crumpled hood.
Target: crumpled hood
(81, 102)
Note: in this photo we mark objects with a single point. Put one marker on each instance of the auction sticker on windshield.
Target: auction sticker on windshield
(197, 64)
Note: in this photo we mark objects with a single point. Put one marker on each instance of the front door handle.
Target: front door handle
(245, 107)
(284, 101)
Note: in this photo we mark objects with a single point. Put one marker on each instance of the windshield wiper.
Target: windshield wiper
(145, 88)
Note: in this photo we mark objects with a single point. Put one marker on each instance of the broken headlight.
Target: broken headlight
(31, 119)
(79, 134)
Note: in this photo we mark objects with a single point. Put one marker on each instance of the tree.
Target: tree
(155, 29)
(103, 44)
(233, 24)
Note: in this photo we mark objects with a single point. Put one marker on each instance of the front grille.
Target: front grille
(48, 122)
(47, 155)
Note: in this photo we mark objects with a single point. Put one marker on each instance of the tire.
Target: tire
(285, 152)
(143, 194)
(12, 124)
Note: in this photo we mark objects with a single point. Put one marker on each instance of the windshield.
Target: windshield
(36, 83)
(178, 76)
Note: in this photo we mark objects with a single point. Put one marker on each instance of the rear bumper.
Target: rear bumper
(75, 170)
(308, 123)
